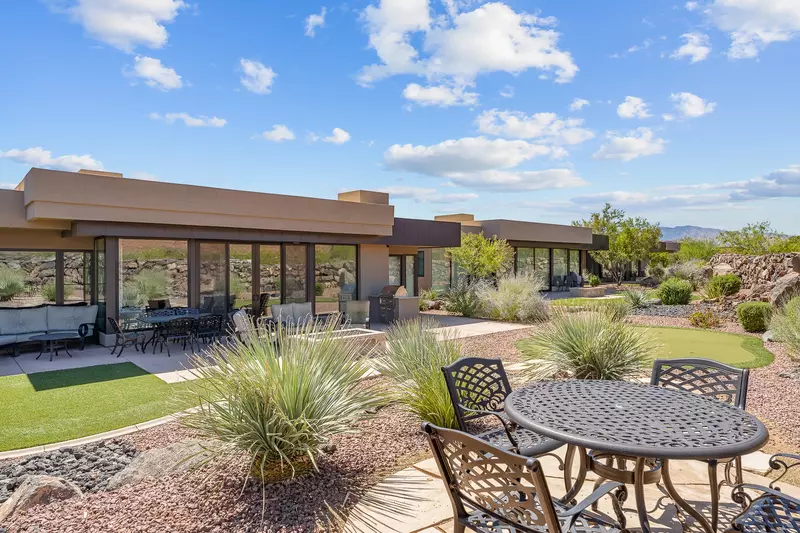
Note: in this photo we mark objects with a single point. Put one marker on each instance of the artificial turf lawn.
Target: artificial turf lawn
(737, 350)
(49, 407)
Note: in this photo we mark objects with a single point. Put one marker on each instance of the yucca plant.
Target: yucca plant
(785, 325)
(587, 346)
(279, 401)
(637, 297)
(12, 283)
(413, 359)
(516, 298)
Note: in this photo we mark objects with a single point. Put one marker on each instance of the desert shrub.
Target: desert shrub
(675, 291)
(754, 316)
(130, 295)
(704, 319)
(785, 325)
(49, 291)
(319, 289)
(594, 280)
(587, 346)
(515, 298)
(657, 272)
(724, 285)
(699, 249)
(691, 271)
(636, 297)
(151, 284)
(413, 359)
(12, 283)
(425, 297)
(462, 297)
(279, 402)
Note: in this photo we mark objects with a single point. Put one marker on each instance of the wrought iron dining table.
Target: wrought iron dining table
(620, 421)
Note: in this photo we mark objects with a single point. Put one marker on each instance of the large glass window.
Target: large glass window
(395, 272)
(270, 276)
(153, 273)
(296, 274)
(543, 265)
(27, 278)
(335, 272)
(560, 262)
(212, 278)
(440, 270)
(100, 276)
(525, 262)
(241, 276)
(77, 278)
(575, 261)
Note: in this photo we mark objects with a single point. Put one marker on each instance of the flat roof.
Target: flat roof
(522, 233)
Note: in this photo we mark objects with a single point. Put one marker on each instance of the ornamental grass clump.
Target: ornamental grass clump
(515, 299)
(279, 399)
(413, 359)
(785, 325)
(587, 346)
(462, 297)
(12, 283)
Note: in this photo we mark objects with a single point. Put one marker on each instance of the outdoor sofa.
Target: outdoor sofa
(18, 325)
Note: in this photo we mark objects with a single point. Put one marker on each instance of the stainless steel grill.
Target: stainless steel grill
(387, 303)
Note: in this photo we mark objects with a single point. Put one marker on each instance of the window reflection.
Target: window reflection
(335, 272)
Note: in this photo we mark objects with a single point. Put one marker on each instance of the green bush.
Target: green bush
(704, 319)
(49, 291)
(594, 280)
(319, 289)
(785, 325)
(279, 402)
(151, 284)
(724, 285)
(413, 359)
(657, 272)
(754, 316)
(587, 346)
(675, 291)
(514, 299)
(130, 295)
(462, 297)
(12, 283)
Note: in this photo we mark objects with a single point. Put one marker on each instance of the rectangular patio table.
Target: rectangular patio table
(644, 424)
(163, 319)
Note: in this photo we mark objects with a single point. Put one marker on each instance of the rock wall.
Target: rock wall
(754, 269)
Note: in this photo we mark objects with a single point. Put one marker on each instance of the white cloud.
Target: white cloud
(256, 78)
(190, 121)
(691, 6)
(523, 180)
(755, 24)
(668, 117)
(633, 107)
(126, 24)
(439, 95)
(466, 155)
(507, 91)
(647, 43)
(339, 136)
(146, 176)
(461, 46)
(692, 106)
(39, 157)
(10, 186)
(578, 104)
(783, 183)
(315, 21)
(155, 74)
(278, 133)
(637, 143)
(697, 47)
(547, 127)
(427, 195)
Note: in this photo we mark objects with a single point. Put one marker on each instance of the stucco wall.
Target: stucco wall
(373, 269)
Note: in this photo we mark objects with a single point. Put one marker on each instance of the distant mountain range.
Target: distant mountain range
(695, 232)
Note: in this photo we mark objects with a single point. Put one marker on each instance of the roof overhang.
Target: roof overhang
(521, 232)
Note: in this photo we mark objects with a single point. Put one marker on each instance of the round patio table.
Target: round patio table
(646, 424)
(52, 342)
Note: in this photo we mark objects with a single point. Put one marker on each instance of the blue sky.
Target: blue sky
(684, 113)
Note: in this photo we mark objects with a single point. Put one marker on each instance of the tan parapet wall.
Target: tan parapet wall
(56, 195)
(26, 239)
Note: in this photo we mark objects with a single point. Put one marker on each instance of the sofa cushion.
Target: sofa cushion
(9, 321)
(61, 318)
(5, 340)
(302, 313)
(85, 315)
(282, 313)
(32, 320)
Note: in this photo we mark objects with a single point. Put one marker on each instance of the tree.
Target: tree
(482, 257)
(702, 249)
(630, 239)
(753, 239)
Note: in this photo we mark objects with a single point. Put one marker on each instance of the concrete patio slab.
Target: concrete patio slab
(91, 356)
(9, 366)
(478, 328)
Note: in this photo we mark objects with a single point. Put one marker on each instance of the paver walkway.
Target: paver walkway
(414, 500)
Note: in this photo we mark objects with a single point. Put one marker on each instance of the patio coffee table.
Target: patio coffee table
(51, 342)
(647, 425)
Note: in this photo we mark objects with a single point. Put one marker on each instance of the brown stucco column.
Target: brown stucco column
(193, 273)
(255, 278)
(112, 277)
(59, 278)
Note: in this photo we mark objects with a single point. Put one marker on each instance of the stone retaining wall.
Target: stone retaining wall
(754, 269)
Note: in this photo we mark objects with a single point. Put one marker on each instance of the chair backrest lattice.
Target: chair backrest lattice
(507, 487)
(706, 377)
(179, 327)
(478, 384)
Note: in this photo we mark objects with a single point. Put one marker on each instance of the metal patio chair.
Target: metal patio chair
(478, 388)
(771, 510)
(175, 330)
(125, 338)
(208, 328)
(493, 490)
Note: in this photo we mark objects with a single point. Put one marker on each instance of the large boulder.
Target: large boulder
(796, 263)
(706, 273)
(38, 490)
(785, 289)
(158, 462)
(722, 269)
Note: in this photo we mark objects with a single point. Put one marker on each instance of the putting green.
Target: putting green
(741, 351)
